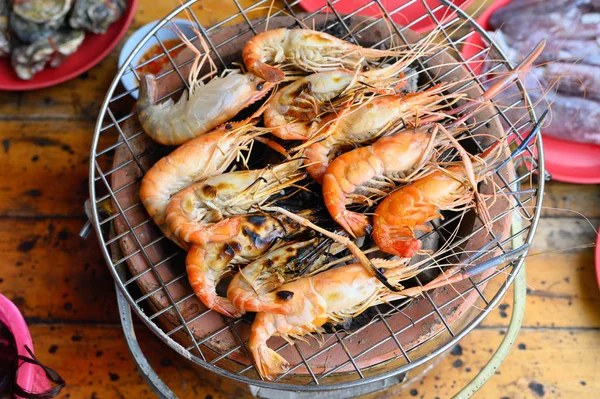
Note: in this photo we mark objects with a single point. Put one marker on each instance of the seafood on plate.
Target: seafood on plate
(35, 20)
(305, 49)
(29, 59)
(96, 15)
(37, 34)
(336, 295)
(201, 212)
(207, 264)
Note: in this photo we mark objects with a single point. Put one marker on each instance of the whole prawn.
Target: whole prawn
(366, 121)
(203, 109)
(195, 160)
(372, 170)
(253, 288)
(292, 112)
(191, 212)
(206, 264)
(335, 296)
(408, 209)
(305, 49)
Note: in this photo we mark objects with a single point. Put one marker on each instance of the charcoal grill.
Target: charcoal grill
(149, 272)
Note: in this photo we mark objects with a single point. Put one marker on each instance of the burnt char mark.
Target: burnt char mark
(209, 191)
(257, 240)
(257, 220)
(232, 248)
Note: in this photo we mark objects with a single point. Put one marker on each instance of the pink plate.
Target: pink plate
(566, 161)
(402, 17)
(93, 50)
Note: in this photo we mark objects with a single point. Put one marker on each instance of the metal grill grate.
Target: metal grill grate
(124, 238)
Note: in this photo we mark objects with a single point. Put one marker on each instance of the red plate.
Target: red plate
(598, 259)
(566, 161)
(93, 50)
(402, 17)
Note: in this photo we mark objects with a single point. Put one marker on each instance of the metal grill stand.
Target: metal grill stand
(136, 255)
(398, 382)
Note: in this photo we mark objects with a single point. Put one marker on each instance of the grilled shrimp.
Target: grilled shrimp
(203, 109)
(292, 112)
(337, 295)
(334, 295)
(195, 160)
(305, 49)
(409, 208)
(368, 170)
(252, 288)
(190, 211)
(206, 264)
(366, 121)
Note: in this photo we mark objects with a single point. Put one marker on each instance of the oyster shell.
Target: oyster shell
(4, 27)
(96, 15)
(29, 59)
(30, 32)
(42, 11)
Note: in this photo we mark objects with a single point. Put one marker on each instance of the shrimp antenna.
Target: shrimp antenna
(526, 141)
(471, 272)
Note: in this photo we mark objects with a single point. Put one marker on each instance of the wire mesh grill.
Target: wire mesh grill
(121, 153)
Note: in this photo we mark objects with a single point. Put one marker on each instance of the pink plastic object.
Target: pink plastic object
(404, 16)
(31, 378)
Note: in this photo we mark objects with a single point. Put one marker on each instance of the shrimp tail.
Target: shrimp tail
(204, 285)
(223, 306)
(148, 92)
(269, 363)
(148, 96)
(355, 223)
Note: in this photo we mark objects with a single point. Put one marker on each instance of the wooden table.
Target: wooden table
(61, 284)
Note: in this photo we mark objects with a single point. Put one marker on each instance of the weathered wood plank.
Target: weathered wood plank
(44, 167)
(565, 198)
(531, 370)
(95, 363)
(562, 285)
(543, 363)
(52, 274)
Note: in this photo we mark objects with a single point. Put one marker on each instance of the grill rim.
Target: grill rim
(97, 223)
